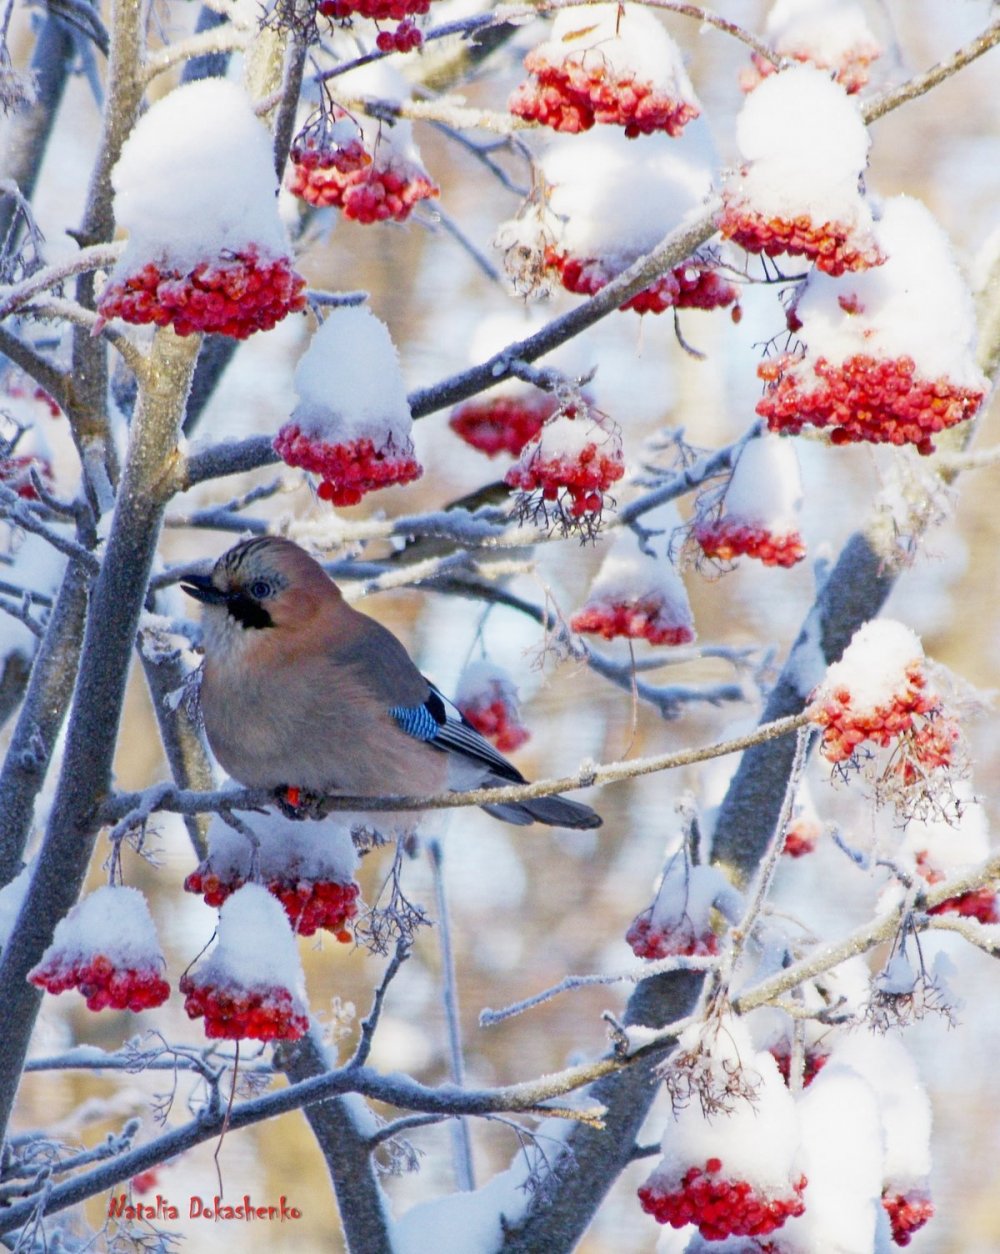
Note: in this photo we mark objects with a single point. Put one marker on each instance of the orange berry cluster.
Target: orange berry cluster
(726, 540)
(233, 296)
(881, 401)
(719, 1207)
(104, 983)
(503, 424)
(310, 904)
(234, 1013)
(347, 471)
(640, 619)
(571, 96)
(833, 246)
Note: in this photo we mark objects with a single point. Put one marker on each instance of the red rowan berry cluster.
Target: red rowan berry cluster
(978, 903)
(717, 1206)
(234, 295)
(487, 698)
(881, 401)
(15, 473)
(572, 462)
(103, 982)
(368, 185)
(727, 539)
(405, 38)
(801, 838)
(503, 424)
(851, 67)
(641, 618)
(347, 470)
(656, 939)
(235, 1013)
(691, 286)
(377, 10)
(908, 1212)
(814, 1061)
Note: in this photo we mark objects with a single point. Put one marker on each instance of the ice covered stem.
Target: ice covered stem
(503, 424)
(570, 465)
(833, 35)
(874, 365)
(108, 949)
(805, 148)
(371, 175)
(351, 427)
(196, 190)
(487, 697)
(734, 1174)
(756, 515)
(607, 64)
(307, 866)
(251, 985)
(638, 593)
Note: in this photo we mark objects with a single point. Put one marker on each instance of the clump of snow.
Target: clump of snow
(766, 486)
(196, 180)
(841, 1150)
(288, 848)
(114, 921)
(905, 1111)
(900, 309)
(874, 665)
(255, 947)
(349, 381)
(680, 918)
(487, 696)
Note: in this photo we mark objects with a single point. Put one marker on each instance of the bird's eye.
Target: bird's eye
(260, 589)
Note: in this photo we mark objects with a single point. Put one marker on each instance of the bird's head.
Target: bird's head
(259, 587)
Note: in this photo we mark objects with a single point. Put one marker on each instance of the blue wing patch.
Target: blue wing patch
(416, 720)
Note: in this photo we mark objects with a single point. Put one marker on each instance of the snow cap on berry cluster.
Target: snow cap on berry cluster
(831, 34)
(874, 666)
(308, 866)
(352, 424)
(889, 355)
(195, 188)
(937, 849)
(805, 147)
(638, 593)
(106, 947)
(759, 508)
(680, 919)
(251, 985)
(905, 1116)
(12, 897)
(841, 1156)
(737, 1174)
(196, 180)
(571, 463)
(487, 696)
(611, 64)
(607, 209)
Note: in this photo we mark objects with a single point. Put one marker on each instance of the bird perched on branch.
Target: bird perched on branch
(302, 692)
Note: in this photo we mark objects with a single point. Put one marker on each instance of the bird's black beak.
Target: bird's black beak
(203, 589)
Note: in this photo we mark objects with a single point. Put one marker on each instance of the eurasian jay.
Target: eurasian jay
(302, 691)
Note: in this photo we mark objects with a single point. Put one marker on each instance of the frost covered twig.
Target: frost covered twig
(225, 38)
(180, 801)
(370, 1022)
(96, 257)
(662, 966)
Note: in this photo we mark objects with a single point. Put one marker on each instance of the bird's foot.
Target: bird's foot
(297, 803)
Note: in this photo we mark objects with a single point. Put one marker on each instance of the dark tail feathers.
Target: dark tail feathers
(554, 811)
